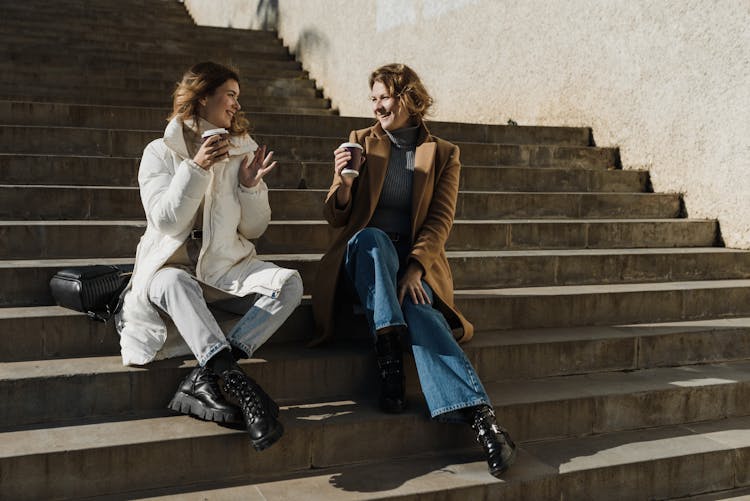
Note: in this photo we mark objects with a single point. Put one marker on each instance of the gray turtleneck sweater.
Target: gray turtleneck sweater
(393, 212)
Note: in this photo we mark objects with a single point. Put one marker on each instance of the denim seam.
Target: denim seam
(215, 348)
(383, 326)
(242, 346)
(473, 403)
(470, 374)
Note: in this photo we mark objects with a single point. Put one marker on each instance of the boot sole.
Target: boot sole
(499, 471)
(270, 438)
(186, 404)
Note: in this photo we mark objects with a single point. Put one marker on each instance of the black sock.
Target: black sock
(222, 361)
(238, 354)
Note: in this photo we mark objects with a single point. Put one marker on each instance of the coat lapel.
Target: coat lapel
(424, 161)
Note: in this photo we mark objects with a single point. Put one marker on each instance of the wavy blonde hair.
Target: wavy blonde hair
(200, 81)
(404, 83)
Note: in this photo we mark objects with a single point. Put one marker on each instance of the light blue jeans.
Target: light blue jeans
(179, 294)
(373, 264)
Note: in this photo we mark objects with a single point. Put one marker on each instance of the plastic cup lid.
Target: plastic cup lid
(351, 145)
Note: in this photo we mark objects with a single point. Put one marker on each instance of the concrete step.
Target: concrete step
(177, 43)
(131, 21)
(141, 25)
(39, 391)
(611, 304)
(72, 239)
(62, 333)
(738, 494)
(113, 117)
(476, 235)
(25, 283)
(488, 309)
(136, 97)
(44, 44)
(267, 45)
(112, 142)
(472, 153)
(616, 466)
(318, 175)
(80, 16)
(113, 63)
(550, 179)
(40, 462)
(102, 203)
(120, 64)
(115, 87)
(122, 171)
(111, 90)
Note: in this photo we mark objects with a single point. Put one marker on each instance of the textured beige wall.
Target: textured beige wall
(243, 14)
(668, 81)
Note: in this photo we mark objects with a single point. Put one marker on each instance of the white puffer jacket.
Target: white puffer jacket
(172, 187)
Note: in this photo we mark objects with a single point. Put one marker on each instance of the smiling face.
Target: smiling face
(220, 107)
(387, 108)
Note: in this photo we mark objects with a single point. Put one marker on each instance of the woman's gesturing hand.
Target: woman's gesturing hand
(411, 284)
(214, 149)
(252, 171)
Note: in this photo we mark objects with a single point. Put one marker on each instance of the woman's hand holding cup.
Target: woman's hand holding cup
(215, 148)
(348, 158)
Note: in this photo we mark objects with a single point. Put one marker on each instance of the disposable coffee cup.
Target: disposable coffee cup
(213, 132)
(352, 167)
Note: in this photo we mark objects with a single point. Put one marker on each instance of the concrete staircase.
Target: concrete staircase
(613, 332)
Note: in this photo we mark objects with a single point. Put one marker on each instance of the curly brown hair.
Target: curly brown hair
(200, 81)
(404, 83)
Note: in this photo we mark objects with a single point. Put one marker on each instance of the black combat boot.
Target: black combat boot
(199, 395)
(495, 440)
(390, 359)
(258, 409)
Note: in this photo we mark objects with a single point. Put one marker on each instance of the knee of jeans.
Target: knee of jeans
(292, 290)
(369, 237)
(170, 280)
(413, 310)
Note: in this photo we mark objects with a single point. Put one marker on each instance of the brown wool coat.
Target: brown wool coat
(435, 190)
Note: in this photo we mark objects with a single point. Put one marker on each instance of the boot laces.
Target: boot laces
(210, 378)
(247, 396)
(485, 426)
(389, 367)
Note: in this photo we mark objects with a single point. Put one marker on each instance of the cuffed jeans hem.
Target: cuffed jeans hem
(387, 324)
(213, 350)
(248, 350)
(450, 413)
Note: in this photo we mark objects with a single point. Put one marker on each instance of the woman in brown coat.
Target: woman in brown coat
(393, 218)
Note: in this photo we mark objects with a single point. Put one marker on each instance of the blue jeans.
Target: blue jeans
(373, 264)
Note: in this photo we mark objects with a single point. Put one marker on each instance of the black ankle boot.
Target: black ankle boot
(259, 410)
(495, 440)
(390, 359)
(199, 395)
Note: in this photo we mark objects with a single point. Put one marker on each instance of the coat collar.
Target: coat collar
(424, 135)
(378, 147)
(175, 139)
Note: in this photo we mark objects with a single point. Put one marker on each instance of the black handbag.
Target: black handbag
(94, 290)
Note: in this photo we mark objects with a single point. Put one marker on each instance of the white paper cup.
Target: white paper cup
(213, 132)
(352, 167)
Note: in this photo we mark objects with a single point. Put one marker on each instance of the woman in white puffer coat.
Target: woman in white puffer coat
(204, 202)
